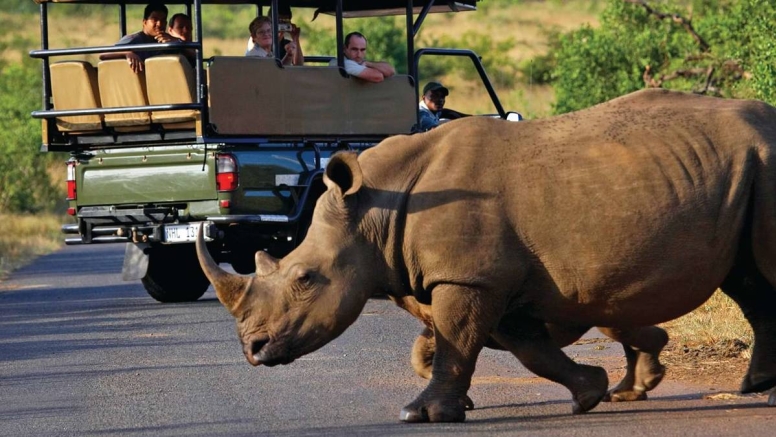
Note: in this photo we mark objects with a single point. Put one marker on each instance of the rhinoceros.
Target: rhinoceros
(624, 215)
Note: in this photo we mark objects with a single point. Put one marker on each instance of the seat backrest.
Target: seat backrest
(170, 79)
(74, 86)
(120, 86)
(255, 96)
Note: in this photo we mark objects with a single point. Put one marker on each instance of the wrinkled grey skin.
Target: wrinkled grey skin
(624, 215)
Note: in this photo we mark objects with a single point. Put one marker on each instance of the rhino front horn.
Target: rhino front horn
(229, 287)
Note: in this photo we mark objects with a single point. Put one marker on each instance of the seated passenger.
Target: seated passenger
(180, 27)
(356, 63)
(260, 43)
(432, 107)
(154, 24)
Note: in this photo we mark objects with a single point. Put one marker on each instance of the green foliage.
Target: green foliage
(501, 69)
(595, 65)
(18, 6)
(24, 184)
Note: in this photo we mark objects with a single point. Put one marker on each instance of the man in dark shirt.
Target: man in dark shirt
(432, 107)
(154, 25)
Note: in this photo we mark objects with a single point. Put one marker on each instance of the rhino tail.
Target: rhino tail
(229, 287)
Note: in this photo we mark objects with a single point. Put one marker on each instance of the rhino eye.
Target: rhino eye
(304, 278)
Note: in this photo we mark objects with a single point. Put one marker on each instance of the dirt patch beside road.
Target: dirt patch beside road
(720, 366)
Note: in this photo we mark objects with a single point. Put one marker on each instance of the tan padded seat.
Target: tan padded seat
(254, 96)
(171, 79)
(74, 86)
(120, 86)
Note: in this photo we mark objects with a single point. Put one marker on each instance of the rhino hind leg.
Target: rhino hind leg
(644, 372)
(530, 341)
(422, 358)
(757, 298)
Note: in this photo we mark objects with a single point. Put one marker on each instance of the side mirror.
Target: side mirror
(514, 116)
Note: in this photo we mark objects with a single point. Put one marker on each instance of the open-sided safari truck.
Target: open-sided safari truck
(234, 142)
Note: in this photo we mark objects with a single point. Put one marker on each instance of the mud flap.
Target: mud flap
(135, 262)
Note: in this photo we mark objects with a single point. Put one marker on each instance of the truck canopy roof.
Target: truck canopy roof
(367, 7)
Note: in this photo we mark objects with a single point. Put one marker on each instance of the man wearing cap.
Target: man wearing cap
(431, 105)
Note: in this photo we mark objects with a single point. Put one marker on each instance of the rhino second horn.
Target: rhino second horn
(229, 287)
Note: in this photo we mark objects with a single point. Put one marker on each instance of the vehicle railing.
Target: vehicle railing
(114, 110)
(477, 64)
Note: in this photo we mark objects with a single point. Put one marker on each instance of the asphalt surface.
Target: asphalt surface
(82, 353)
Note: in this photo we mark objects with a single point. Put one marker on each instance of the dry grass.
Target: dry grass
(23, 237)
(719, 322)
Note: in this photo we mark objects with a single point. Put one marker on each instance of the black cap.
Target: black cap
(433, 86)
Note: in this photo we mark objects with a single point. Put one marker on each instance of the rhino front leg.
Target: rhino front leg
(529, 340)
(642, 352)
(463, 318)
(423, 359)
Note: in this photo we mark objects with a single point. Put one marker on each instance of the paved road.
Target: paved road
(82, 353)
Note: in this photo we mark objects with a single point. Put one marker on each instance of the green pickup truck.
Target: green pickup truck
(237, 144)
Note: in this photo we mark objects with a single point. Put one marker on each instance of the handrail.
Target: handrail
(477, 64)
(168, 47)
(114, 110)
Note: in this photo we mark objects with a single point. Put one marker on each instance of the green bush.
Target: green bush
(25, 185)
(595, 65)
(502, 70)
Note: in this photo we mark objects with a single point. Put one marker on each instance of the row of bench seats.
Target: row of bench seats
(247, 96)
(166, 79)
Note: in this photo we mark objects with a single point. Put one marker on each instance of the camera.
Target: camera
(284, 26)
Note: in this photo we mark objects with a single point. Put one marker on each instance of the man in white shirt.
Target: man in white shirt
(356, 63)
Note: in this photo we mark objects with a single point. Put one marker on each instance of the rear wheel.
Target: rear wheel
(174, 274)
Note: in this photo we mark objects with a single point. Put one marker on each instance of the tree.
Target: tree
(25, 185)
(726, 50)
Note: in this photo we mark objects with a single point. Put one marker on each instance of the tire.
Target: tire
(174, 274)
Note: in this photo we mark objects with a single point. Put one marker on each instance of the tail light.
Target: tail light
(71, 193)
(226, 173)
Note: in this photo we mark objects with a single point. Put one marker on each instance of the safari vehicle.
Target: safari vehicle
(235, 143)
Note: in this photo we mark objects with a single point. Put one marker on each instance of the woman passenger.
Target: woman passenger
(261, 41)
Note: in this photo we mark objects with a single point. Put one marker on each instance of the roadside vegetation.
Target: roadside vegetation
(25, 236)
(544, 58)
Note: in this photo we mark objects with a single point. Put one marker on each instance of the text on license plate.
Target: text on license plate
(181, 233)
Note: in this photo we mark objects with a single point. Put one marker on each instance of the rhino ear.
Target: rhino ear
(344, 173)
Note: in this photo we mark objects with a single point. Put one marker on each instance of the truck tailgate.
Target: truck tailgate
(147, 175)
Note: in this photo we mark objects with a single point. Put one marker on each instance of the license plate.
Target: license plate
(181, 233)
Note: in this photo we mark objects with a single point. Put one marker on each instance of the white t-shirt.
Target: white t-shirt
(259, 52)
(353, 68)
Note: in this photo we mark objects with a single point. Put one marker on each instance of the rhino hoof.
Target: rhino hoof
(625, 396)
(433, 411)
(757, 384)
(591, 391)
(467, 403)
(413, 416)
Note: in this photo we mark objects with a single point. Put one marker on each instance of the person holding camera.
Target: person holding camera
(261, 42)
